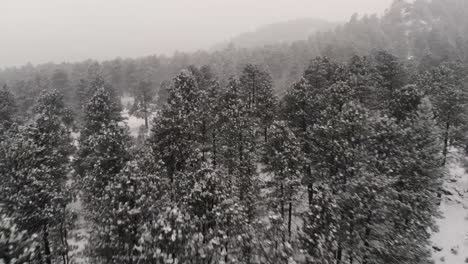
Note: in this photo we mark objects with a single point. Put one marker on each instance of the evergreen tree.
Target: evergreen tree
(127, 204)
(207, 226)
(103, 154)
(15, 245)
(209, 111)
(7, 109)
(342, 212)
(392, 74)
(364, 78)
(404, 102)
(413, 161)
(449, 96)
(239, 155)
(35, 166)
(144, 95)
(321, 73)
(300, 110)
(284, 160)
(176, 133)
(257, 90)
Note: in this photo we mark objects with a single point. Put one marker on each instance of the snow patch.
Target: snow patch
(450, 244)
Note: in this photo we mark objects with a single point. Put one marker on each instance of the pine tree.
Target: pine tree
(7, 110)
(301, 109)
(257, 90)
(127, 204)
(87, 87)
(449, 96)
(336, 222)
(176, 134)
(144, 95)
(392, 75)
(413, 161)
(103, 154)
(209, 111)
(364, 78)
(321, 73)
(102, 115)
(207, 226)
(284, 161)
(35, 166)
(239, 156)
(404, 102)
(16, 246)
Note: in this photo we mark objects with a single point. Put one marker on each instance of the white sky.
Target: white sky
(39, 31)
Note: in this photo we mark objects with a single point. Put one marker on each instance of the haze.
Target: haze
(72, 30)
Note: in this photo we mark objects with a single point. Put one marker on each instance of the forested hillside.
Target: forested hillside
(330, 150)
(284, 32)
(423, 34)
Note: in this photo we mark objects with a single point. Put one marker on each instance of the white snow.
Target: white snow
(452, 237)
(134, 123)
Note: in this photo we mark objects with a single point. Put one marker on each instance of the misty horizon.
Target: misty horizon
(70, 31)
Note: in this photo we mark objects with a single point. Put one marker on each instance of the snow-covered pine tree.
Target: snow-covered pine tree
(363, 78)
(144, 97)
(321, 73)
(412, 158)
(239, 154)
(404, 102)
(238, 144)
(342, 211)
(103, 153)
(128, 203)
(7, 108)
(206, 226)
(257, 91)
(35, 166)
(209, 111)
(176, 133)
(449, 95)
(300, 108)
(87, 87)
(16, 246)
(284, 161)
(391, 70)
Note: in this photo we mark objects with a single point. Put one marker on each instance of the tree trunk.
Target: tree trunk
(282, 200)
(290, 219)
(367, 236)
(146, 115)
(63, 236)
(45, 238)
(39, 255)
(204, 140)
(214, 149)
(310, 192)
(146, 121)
(339, 254)
(446, 141)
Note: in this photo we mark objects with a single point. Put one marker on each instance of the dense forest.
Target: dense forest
(329, 150)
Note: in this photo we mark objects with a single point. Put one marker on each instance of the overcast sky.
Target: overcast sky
(39, 31)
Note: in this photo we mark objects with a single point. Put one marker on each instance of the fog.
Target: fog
(71, 30)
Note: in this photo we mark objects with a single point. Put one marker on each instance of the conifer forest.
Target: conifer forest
(347, 146)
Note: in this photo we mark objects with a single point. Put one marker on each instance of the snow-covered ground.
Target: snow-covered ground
(134, 123)
(450, 244)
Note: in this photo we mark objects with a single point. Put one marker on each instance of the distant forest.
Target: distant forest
(422, 34)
